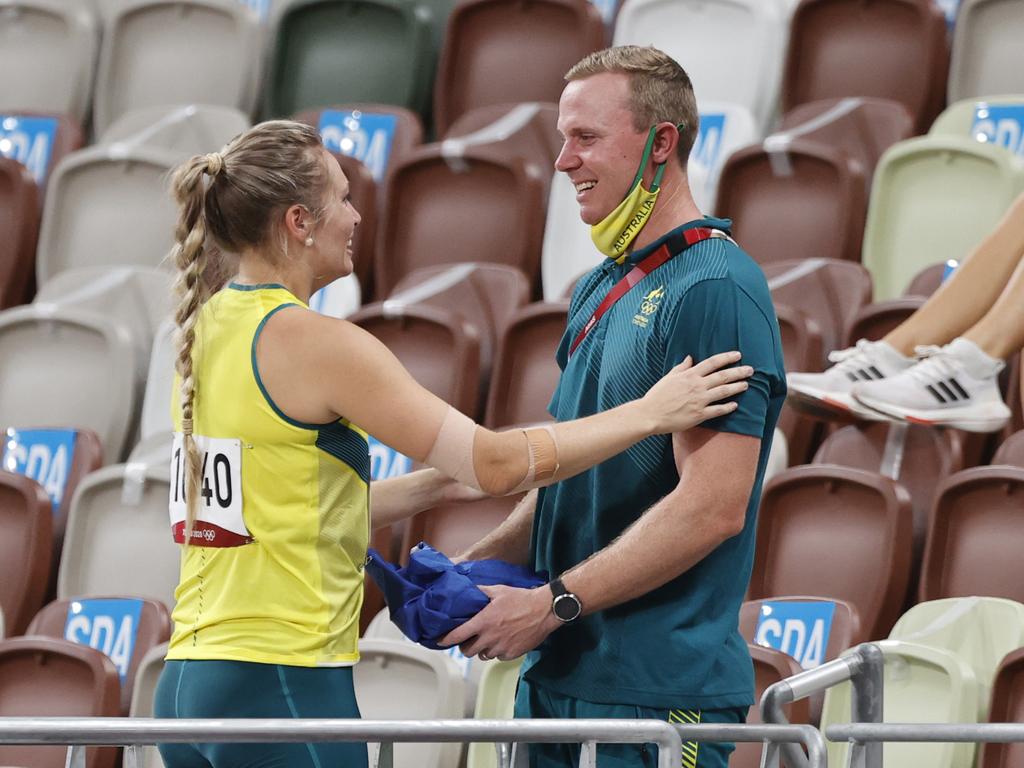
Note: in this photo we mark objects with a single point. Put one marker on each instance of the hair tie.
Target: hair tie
(214, 164)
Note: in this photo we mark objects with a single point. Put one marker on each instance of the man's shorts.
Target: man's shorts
(534, 701)
(224, 689)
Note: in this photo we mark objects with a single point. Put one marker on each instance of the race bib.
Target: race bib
(219, 521)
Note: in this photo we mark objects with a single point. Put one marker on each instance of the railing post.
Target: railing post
(76, 757)
(386, 755)
(866, 707)
(588, 754)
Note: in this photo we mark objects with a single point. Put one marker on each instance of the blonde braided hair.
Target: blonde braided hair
(230, 201)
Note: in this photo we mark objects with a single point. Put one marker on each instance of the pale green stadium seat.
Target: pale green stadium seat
(934, 198)
(980, 630)
(495, 700)
(922, 685)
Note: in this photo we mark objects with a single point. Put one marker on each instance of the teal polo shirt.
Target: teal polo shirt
(677, 646)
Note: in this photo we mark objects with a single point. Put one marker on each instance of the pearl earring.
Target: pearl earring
(309, 241)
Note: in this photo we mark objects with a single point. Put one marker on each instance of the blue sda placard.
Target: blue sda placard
(708, 144)
(800, 629)
(29, 140)
(45, 455)
(1000, 124)
(386, 462)
(366, 136)
(110, 626)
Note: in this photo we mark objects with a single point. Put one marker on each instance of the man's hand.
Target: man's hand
(514, 622)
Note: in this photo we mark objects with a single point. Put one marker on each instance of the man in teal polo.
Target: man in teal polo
(651, 550)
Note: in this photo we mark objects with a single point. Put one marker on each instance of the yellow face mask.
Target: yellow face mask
(615, 232)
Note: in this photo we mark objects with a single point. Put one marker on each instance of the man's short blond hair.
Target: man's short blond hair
(660, 89)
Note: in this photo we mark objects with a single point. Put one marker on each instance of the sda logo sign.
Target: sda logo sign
(800, 629)
(29, 140)
(109, 626)
(45, 455)
(1002, 125)
(386, 462)
(363, 135)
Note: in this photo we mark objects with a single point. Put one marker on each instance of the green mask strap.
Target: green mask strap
(648, 148)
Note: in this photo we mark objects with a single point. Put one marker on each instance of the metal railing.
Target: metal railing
(864, 668)
(133, 732)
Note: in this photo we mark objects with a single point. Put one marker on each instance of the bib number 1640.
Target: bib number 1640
(219, 514)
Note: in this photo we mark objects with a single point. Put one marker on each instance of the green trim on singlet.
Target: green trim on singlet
(256, 370)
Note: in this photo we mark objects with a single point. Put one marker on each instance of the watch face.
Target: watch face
(566, 607)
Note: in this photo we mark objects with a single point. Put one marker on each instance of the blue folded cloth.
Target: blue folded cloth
(431, 596)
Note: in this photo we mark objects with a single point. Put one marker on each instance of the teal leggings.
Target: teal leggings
(223, 689)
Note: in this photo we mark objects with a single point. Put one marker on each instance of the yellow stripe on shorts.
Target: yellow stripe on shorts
(687, 717)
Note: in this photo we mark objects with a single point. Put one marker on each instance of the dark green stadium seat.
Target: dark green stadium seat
(337, 51)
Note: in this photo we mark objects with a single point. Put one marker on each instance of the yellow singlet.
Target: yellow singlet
(274, 572)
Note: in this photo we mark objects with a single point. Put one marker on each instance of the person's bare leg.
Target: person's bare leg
(972, 290)
(1000, 332)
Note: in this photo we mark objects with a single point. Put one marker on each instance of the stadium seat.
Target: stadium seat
(131, 500)
(124, 628)
(44, 677)
(47, 57)
(156, 403)
(157, 53)
(862, 126)
(770, 667)
(507, 51)
(918, 213)
(978, 630)
(485, 295)
(97, 386)
(495, 700)
(526, 131)
(1007, 707)
(802, 351)
(338, 51)
(839, 533)
(479, 206)
(2, 635)
(378, 135)
(987, 56)
(973, 545)
(830, 41)
(974, 117)
(525, 371)
(732, 51)
(43, 456)
(724, 128)
(794, 199)
(471, 668)
(19, 228)
(917, 457)
(927, 281)
(829, 291)
(922, 685)
(26, 546)
(439, 349)
(877, 319)
(38, 140)
(138, 299)
(812, 630)
(1011, 451)
(451, 528)
(192, 129)
(567, 250)
(396, 680)
(147, 675)
(93, 194)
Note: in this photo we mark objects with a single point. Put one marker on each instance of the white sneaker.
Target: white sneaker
(953, 386)
(827, 394)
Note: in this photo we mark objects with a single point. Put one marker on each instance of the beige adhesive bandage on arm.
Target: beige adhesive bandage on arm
(543, 457)
(453, 449)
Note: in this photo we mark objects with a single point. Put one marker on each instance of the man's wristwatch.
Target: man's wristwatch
(564, 604)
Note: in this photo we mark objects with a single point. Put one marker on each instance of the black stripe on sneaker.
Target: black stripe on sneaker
(852, 376)
(864, 375)
(877, 373)
(949, 393)
(960, 390)
(935, 393)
